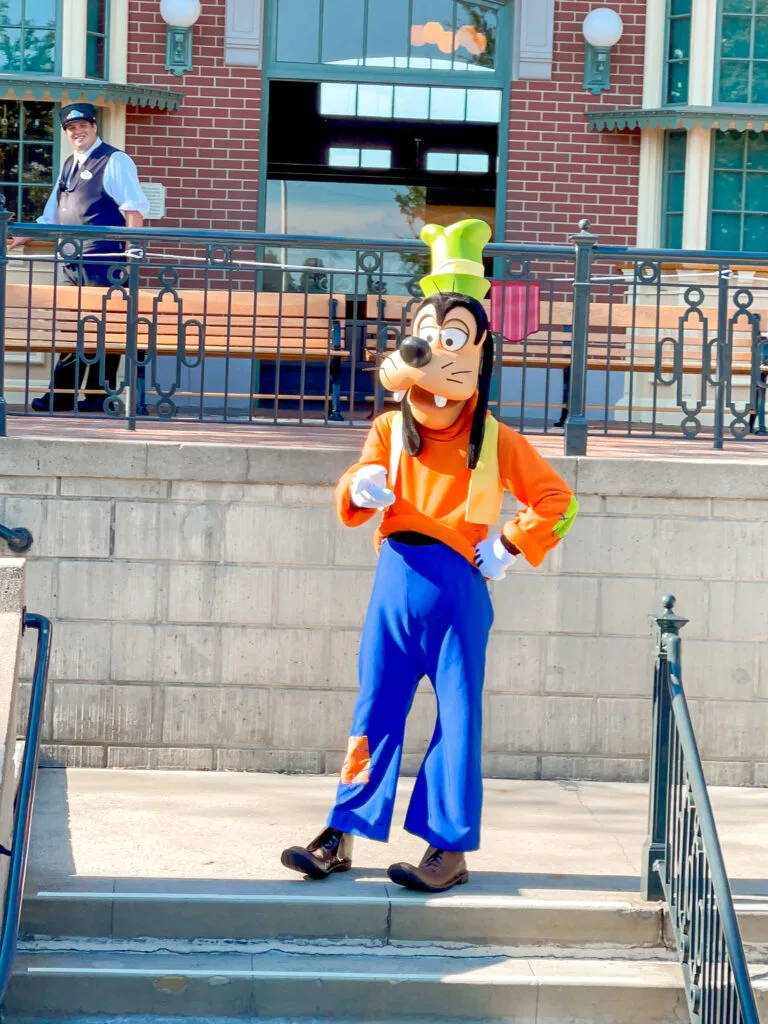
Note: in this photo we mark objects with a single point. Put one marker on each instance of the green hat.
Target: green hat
(457, 259)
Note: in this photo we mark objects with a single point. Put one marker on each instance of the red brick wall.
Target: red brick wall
(207, 152)
(559, 170)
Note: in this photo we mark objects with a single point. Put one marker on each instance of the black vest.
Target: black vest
(84, 202)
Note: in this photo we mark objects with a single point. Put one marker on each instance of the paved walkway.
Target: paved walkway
(339, 436)
(540, 839)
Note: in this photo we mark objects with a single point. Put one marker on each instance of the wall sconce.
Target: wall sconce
(602, 30)
(179, 16)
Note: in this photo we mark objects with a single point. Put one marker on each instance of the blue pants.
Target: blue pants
(429, 614)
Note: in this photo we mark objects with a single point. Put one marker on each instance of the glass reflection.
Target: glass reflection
(411, 103)
(342, 32)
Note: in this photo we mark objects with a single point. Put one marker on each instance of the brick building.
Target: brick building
(365, 116)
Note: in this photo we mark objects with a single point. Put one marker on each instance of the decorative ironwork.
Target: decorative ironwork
(682, 860)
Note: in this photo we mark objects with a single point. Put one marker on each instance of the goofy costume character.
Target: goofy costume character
(437, 469)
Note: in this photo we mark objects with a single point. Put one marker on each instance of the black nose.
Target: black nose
(415, 352)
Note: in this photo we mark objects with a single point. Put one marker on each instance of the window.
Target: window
(372, 159)
(675, 145)
(678, 50)
(96, 39)
(444, 35)
(410, 103)
(26, 156)
(739, 218)
(457, 163)
(743, 57)
(28, 37)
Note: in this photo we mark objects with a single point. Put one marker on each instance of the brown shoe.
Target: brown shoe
(439, 870)
(330, 851)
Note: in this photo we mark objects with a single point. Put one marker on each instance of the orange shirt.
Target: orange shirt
(431, 489)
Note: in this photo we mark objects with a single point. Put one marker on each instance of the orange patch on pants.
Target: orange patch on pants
(357, 762)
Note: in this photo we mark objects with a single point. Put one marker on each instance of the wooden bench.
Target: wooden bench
(242, 324)
(621, 337)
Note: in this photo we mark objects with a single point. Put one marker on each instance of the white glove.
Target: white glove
(492, 558)
(369, 488)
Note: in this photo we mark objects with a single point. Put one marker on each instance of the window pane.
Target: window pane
(680, 39)
(447, 104)
(412, 102)
(674, 233)
(484, 106)
(727, 191)
(726, 231)
(94, 56)
(338, 99)
(432, 34)
(37, 165)
(476, 34)
(338, 157)
(33, 202)
(680, 7)
(9, 119)
(676, 146)
(755, 232)
(10, 12)
(298, 31)
(376, 158)
(729, 149)
(734, 81)
(677, 83)
(675, 189)
(39, 51)
(757, 152)
(374, 100)
(11, 195)
(736, 37)
(387, 37)
(9, 162)
(473, 163)
(38, 120)
(737, 6)
(10, 49)
(40, 13)
(760, 82)
(761, 6)
(756, 193)
(96, 15)
(442, 161)
(343, 31)
(761, 39)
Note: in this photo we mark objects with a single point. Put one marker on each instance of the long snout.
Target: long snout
(397, 375)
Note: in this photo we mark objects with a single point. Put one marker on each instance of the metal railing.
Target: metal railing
(23, 802)
(240, 327)
(682, 860)
(18, 538)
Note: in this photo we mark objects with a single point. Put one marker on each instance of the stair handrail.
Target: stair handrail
(23, 801)
(682, 859)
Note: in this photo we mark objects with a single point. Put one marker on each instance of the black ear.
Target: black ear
(477, 432)
(411, 437)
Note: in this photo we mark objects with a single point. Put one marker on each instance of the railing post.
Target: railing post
(132, 340)
(5, 217)
(576, 424)
(654, 847)
(723, 278)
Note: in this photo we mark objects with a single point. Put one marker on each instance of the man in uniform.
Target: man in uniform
(98, 187)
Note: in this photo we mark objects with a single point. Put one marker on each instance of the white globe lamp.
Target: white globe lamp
(602, 29)
(179, 16)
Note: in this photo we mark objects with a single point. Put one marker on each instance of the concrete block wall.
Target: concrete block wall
(12, 597)
(208, 606)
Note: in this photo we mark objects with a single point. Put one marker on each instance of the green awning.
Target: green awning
(751, 119)
(74, 90)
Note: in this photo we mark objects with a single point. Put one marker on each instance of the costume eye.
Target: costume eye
(428, 334)
(453, 339)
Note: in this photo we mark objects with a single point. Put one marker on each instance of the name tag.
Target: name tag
(85, 175)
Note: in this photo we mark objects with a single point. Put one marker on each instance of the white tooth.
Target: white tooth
(398, 395)
(440, 402)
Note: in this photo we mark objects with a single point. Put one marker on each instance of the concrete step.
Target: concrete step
(344, 981)
(260, 910)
